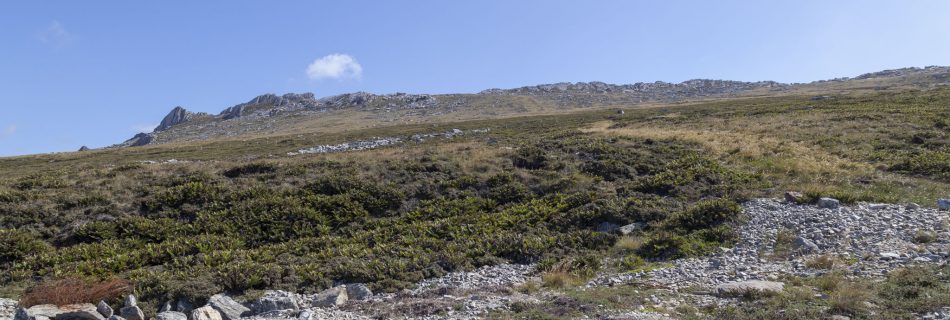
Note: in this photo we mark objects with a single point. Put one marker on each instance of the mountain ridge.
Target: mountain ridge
(182, 125)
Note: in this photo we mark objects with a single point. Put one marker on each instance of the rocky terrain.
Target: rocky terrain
(779, 239)
(383, 141)
(270, 113)
(870, 240)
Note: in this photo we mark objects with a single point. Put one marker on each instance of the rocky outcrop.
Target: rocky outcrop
(232, 112)
(138, 140)
(177, 116)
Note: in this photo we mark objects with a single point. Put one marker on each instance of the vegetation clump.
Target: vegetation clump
(306, 224)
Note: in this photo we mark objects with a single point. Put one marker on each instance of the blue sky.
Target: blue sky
(94, 73)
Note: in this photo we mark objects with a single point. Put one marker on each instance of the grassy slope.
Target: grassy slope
(883, 146)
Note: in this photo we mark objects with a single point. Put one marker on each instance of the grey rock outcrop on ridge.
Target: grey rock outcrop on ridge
(176, 116)
(268, 113)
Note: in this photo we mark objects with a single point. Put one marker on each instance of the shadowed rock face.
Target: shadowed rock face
(176, 116)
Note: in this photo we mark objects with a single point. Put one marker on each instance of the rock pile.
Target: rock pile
(877, 238)
(382, 142)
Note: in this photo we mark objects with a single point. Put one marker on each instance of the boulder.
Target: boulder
(176, 116)
(83, 311)
(912, 206)
(631, 228)
(794, 197)
(116, 317)
(829, 203)
(205, 313)
(335, 296)
(276, 301)
(943, 204)
(802, 245)
(751, 286)
(358, 291)
(104, 309)
(171, 315)
(132, 313)
(229, 309)
(84, 148)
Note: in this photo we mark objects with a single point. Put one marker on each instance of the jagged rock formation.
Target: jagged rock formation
(176, 116)
(138, 140)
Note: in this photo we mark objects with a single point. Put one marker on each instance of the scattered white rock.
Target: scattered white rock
(853, 231)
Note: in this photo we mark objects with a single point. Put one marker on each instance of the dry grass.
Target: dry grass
(628, 244)
(822, 262)
(71, 291)
(559, 280)
(851, 299)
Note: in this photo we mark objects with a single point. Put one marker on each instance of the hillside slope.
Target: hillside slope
(271, 114)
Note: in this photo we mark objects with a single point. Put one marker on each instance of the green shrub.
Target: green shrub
(706, 214)
(16, 245)
(927, 163)
(530, 157)
(250, 169)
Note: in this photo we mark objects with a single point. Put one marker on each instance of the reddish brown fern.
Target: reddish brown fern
(71, 291)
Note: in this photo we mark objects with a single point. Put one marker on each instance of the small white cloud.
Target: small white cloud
(144, 128)
(8, 131)
(335, 66)
(56, 35)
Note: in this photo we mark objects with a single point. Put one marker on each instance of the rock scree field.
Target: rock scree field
(699, 200)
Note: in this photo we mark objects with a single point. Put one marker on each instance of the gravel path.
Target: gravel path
(877, 238)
